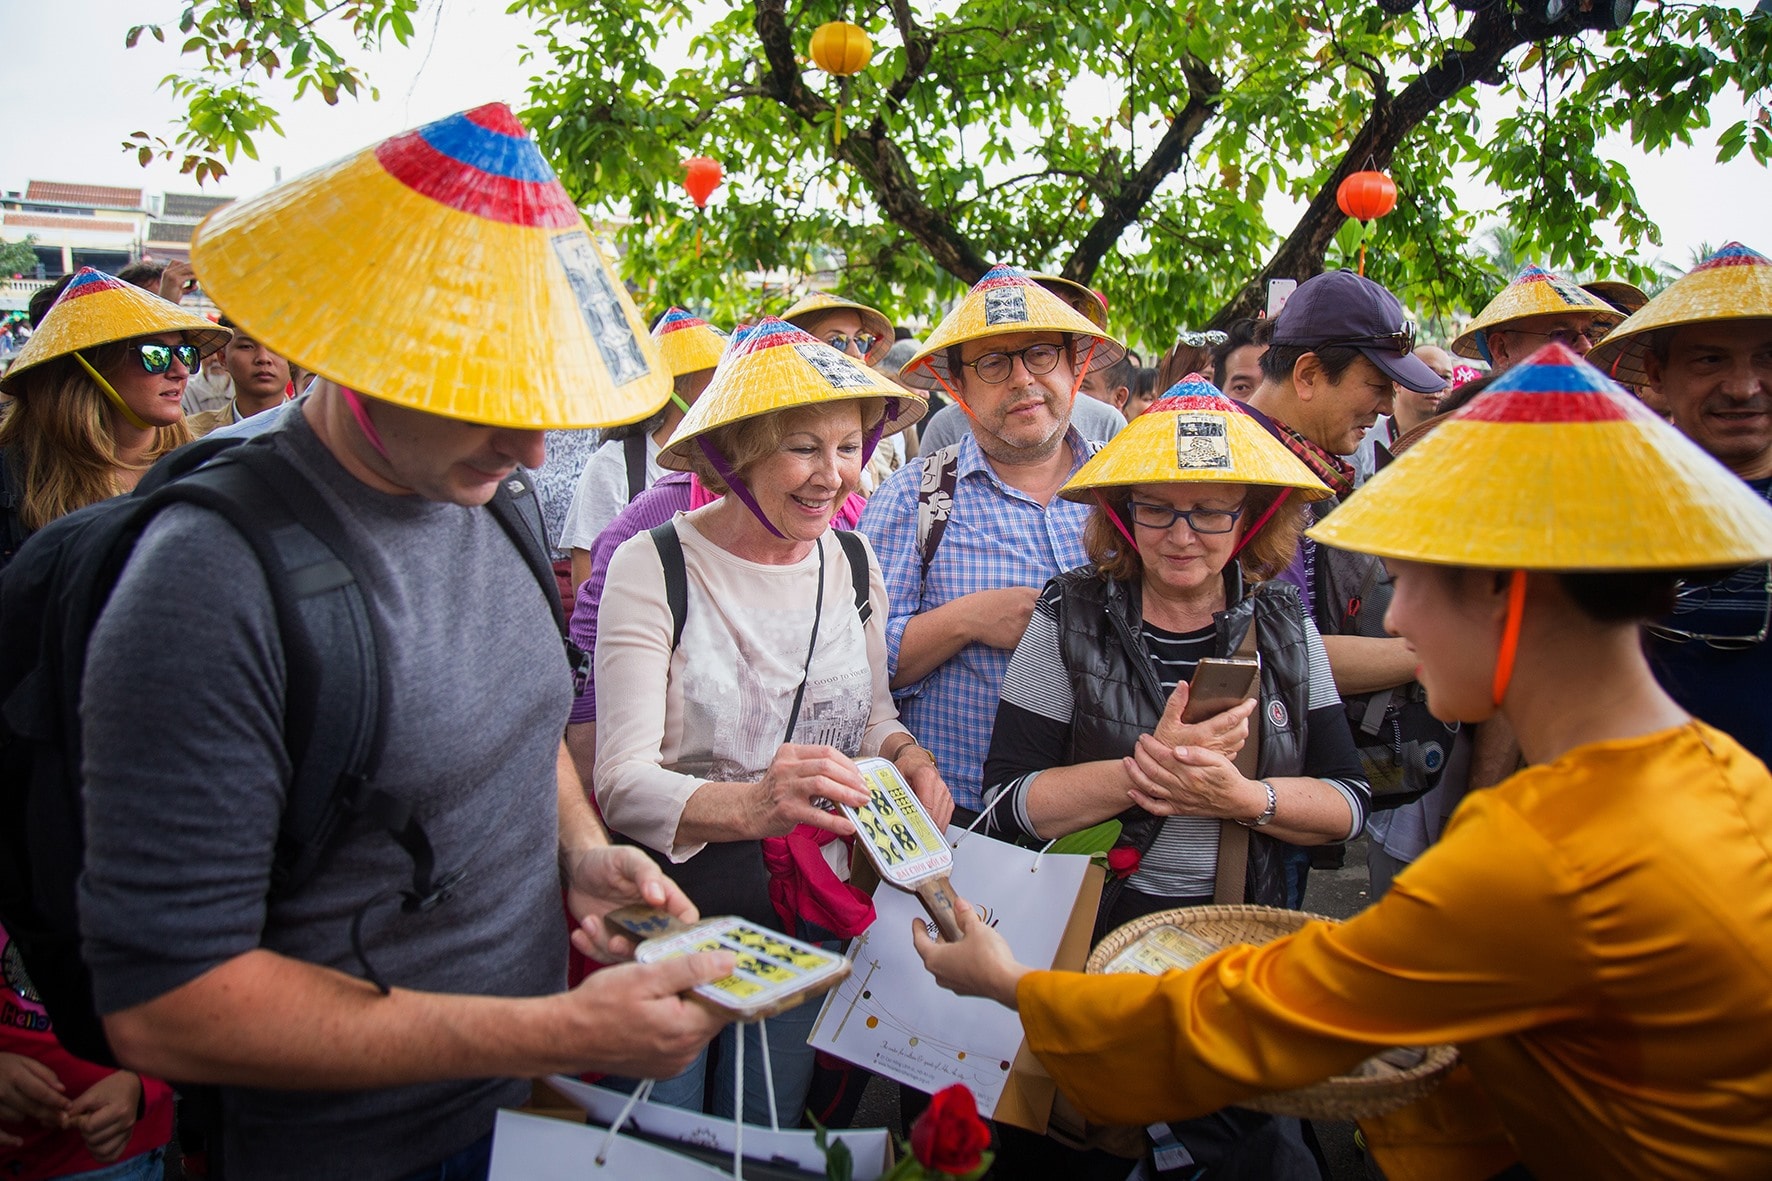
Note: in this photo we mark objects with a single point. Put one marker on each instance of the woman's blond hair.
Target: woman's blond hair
(58, 427)
(743, 443)
(1265, 556)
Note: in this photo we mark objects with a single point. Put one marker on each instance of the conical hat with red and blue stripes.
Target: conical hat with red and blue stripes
(1555, 467)
(1735, 283)
(1193, 434)
(96, 309)
(445, 269)
(687, 342)
(1006, 301)
(1533, 292)
(772, 365)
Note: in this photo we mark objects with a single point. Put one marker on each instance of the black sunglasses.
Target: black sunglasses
(157, 358)
(1402, 340)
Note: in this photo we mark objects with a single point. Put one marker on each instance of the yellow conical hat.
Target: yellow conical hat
(772, 366)
(1555, 468)
(1534, 292)
(96, 308)
(1193, 434)
(444, 269)
(873, 320)
(1735, 283)
(687, 342)
(1006, 301)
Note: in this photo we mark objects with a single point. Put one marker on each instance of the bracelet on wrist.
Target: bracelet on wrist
(1267, 816)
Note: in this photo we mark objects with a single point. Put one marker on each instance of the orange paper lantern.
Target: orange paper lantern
(1366, 195)
(841, 49)
(701, 176)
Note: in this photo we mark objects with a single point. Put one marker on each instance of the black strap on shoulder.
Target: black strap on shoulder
(935, 503)
(633, 449)
(857, 553)
(676, 576)
(518, 510)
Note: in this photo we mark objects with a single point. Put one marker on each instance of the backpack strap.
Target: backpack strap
(935, 503)
(517, 509)
(633, 449)
(676, 576)
(857, 553)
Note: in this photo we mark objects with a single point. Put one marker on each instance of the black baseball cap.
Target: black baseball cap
(1340, 307)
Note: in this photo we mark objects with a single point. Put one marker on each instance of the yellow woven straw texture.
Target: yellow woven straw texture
(1703, 294)
(364, 281)
(119, 311)
(1006, 301)
(1193, 446)
(1534, 292)
(690, 348)
(872, 319)
(1630, 494)
(774, 366)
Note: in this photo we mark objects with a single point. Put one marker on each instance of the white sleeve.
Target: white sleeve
(602, 492)
(637, 795)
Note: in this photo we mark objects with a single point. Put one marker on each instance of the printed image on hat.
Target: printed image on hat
(1003, 302)
(1564, 471)
(1735, 283)
(873, 321)
(95, 309)
(687, 342)
(1342, 308)
(1085, 300)
(772, 365)
(445, 269)
(1533, 292)
(1193, 434)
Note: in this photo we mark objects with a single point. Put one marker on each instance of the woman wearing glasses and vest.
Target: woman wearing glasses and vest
(732, 706)
(1594, 933)
(95, 399)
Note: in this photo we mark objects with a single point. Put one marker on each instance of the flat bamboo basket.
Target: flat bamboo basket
(1388, 1080)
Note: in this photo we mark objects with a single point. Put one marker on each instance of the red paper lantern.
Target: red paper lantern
(1366, 195)
(701, 176)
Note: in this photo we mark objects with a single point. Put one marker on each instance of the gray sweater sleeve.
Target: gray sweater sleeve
(184, 761)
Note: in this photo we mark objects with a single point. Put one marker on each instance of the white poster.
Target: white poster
(892, 1018)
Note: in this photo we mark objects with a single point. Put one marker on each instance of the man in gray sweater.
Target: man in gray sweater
(205, 973)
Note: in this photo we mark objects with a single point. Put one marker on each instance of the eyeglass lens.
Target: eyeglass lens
(863, 341)
(1037, 359)
(157, 358)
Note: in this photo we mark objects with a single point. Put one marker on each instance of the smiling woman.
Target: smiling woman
(96, 399)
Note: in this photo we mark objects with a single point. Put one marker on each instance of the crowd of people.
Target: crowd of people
(1509, 602)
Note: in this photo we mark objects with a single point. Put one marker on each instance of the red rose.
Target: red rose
(1123, 861)
(949, 1137)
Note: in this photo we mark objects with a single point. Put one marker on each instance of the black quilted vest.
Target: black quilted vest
(1116, 695)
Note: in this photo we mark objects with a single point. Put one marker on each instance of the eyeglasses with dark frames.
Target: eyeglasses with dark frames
(863, 342)
(1402, 340)
(1201, 520)
(1037, 359)
(157, 358)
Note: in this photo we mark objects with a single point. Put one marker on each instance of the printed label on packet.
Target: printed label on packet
(771, 966)
(1161, 950)
(906, 846)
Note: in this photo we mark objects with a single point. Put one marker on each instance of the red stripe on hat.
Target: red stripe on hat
(497, 117)
(1516, 406)
(423, 169)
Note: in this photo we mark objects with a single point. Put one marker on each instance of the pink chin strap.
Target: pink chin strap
(354, 401)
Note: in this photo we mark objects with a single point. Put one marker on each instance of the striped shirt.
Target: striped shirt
(996, 537)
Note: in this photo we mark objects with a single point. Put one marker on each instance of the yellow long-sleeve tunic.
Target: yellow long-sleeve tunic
(1595, 934)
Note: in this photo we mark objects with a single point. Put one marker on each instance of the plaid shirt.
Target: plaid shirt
(996, 537)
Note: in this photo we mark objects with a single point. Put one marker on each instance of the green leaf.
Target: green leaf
(1097, 838)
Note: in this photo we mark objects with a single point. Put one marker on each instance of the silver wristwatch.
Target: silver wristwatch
(1267, 816)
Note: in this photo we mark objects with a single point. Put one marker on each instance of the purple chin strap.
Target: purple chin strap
(744, 494)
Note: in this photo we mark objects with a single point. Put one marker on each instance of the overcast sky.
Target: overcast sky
(77, 94)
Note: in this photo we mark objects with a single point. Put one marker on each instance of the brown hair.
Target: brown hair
(743, 443)
(59, 426)
(1266, 555)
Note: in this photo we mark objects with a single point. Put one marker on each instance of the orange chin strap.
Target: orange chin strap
(1510, 636)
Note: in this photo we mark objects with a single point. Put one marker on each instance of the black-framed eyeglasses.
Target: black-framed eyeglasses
(1718, 596)
(1200, 520)
(863, 342)
(1037, 359)
(1402, 340)
(1197, 340)
(1567, 337)
(157, 358)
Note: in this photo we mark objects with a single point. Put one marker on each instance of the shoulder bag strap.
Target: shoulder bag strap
(633, 449)
(1231, 884)
(676, 578)
(857, 553)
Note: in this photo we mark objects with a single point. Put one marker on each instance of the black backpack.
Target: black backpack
(52, 594)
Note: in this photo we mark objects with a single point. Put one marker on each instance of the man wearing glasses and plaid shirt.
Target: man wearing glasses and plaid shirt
(1705, 346)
